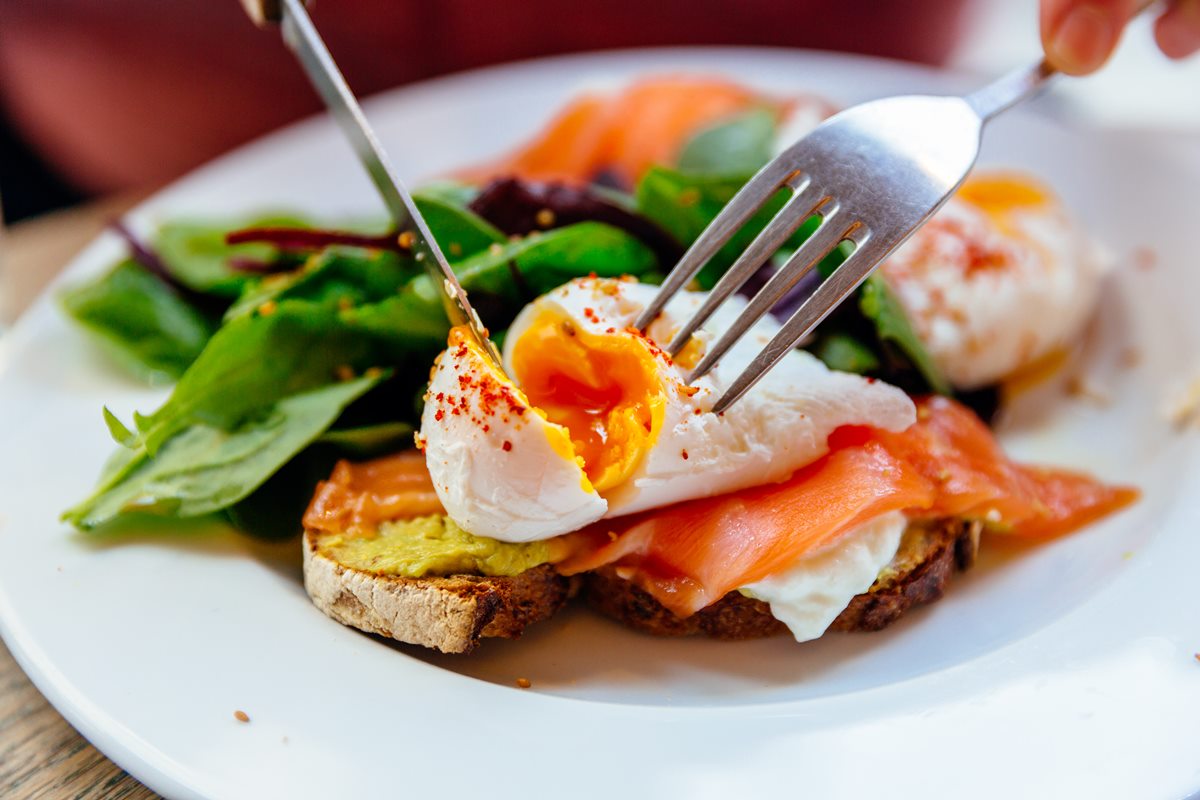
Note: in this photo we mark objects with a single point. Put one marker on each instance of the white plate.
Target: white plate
(1064, 670)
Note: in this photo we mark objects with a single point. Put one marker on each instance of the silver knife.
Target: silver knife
(301, 36)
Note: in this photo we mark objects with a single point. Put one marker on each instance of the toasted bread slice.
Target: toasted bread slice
(454, 613)
(451, 614)
(928, 555)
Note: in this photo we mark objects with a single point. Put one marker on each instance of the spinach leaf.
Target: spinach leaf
(370, 440)
(684, 205)
(448, 191)
(196, 254)
(257, 360)
(345, 276)
(880, 306)
(846, 354)
(141, 320)
(539, 262)
(206, 468)
(737, 146)
(459, 231)
(410, 322)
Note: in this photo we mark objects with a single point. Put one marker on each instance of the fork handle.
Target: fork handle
(1010, 89)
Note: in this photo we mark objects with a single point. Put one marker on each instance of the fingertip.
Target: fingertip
(1082, 39)
(1177, 31)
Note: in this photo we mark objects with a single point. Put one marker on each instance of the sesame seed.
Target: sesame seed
(406, 240)
(544, 218)
(524, 683)
(241, 716)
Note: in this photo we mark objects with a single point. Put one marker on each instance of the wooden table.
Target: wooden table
(41, 755)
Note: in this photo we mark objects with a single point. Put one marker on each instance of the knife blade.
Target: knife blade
(302, 38)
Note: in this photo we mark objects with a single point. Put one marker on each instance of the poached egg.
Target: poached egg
(597, 421)
(999, 278)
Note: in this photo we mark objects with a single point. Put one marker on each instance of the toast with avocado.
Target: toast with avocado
(385, 582)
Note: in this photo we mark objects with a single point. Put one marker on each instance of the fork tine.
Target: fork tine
(844, 280)
(798, 208)
(817, 246)
(748, 200)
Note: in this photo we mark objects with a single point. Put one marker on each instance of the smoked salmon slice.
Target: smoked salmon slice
(952, 447)
(948, 464)
(691, 554)
(359, 496)
(593, 134)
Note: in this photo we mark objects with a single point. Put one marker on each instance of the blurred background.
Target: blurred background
(101, 102)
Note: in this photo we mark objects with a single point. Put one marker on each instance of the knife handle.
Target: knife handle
(264, 11)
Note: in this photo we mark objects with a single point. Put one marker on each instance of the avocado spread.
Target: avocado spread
(434, 545)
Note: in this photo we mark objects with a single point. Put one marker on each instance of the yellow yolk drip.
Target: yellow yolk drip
(999, 194)
(602, 388)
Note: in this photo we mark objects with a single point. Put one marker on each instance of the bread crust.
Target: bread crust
(929, 555)
(451, 614)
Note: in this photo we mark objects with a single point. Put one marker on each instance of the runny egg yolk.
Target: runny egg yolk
(998, 194)
(496, 390)
(604, 389)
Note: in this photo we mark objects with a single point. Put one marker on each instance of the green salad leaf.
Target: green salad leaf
(845, 353)
(739, 146)
(453, 192)
(195, 253)
(879, 304)
(370, 440)
(258, 359)
(141, 320)
(344, 276)
(459, 231)
(684, 204)
(206, 468)
(535, 264)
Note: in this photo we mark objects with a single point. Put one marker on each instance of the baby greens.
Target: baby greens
(208, 467)
(271, 383)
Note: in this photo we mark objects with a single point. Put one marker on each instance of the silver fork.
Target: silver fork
(873, 174)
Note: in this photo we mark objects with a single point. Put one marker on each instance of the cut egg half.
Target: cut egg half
(595, 419)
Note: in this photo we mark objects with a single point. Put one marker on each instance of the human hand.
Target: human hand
(1080, 35)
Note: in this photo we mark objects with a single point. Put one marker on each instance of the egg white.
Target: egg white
(499, 468)
(809, 595)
